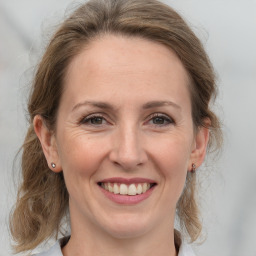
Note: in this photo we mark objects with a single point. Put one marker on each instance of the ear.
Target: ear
(200, 145)
(48, 143)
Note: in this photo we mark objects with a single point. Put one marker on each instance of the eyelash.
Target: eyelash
(86, 120)
(166, 118)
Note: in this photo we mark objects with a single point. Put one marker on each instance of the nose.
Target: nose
(128, 151)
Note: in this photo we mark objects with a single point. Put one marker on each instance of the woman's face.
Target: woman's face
(124, 126)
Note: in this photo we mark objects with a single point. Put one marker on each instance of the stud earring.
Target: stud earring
(53, 165)
(193, 167)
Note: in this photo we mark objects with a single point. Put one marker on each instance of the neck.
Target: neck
(122, 247)
(87, 240)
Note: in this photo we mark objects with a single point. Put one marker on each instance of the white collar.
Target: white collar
(184, 250)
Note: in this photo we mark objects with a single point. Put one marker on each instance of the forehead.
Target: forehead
(112, 63)
(110, 51)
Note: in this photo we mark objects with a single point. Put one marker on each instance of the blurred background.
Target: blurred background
(228, 31)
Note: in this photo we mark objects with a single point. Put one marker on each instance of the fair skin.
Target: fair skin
(123, 82)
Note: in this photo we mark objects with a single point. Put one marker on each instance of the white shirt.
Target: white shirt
(185, 250)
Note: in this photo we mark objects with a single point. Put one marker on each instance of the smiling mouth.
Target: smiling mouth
(126, 189)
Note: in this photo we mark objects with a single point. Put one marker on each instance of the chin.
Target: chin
(129, 226)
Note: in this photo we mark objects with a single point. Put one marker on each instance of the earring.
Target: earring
(193, 167)
(53, 165)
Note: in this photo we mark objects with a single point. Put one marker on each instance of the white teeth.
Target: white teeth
(132, 190)
(139, 189)
(116, 189)
(144, 187)
(110, 188)
(124, 189)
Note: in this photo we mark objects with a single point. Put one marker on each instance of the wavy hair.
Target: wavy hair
(42, 199)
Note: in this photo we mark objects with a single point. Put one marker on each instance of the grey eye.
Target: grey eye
(159, 120)
(93, 120)
(96, 120)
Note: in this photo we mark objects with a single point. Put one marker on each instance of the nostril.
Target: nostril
(128, 155)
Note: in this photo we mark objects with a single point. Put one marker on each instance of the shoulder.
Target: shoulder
(185, 250)
(55, 250)
(181, 245)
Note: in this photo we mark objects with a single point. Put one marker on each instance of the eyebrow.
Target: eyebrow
(98, 104)
(104, 105)
(154, 104)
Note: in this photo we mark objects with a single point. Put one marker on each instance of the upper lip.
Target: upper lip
(127, 181)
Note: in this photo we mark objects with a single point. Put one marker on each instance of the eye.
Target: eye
(160, 120)
(95, 120)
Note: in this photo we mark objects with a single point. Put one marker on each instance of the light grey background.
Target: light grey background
(228, 30)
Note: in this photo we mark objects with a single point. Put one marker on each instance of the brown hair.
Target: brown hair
(42, 200)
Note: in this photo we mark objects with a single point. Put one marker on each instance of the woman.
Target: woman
(119, 122)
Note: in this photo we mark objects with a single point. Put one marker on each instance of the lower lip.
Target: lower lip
(125, 199)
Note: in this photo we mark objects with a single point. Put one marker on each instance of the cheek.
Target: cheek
(80, 155)
(173, 154)
(80, 158)
(172, 158)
